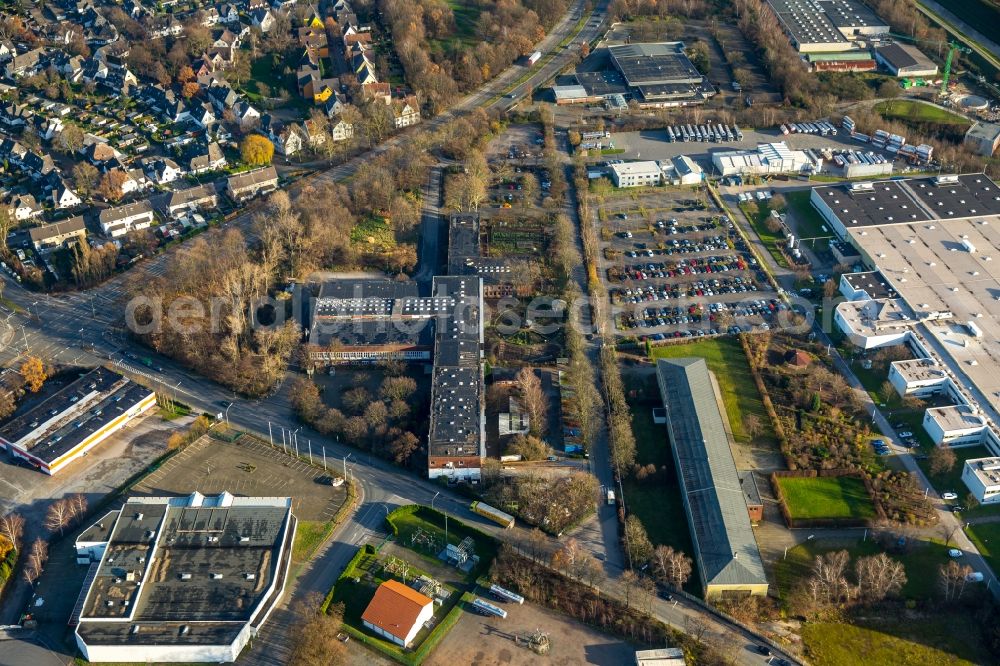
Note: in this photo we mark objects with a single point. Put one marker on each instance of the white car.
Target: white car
(975, 577)
(949, 496)
(955, 552)
(905, 433)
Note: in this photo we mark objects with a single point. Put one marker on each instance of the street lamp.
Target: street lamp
(434, 498)
(227, 413)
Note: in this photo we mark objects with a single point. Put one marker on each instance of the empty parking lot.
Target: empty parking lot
(248, 467)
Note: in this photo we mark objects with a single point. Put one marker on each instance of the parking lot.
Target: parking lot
(252, 468)
(675, 267)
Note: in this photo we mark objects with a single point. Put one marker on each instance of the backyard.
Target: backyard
(757, 214)
(826, 497)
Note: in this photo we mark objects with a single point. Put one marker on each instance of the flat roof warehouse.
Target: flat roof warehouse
(936, 242)
(79, 416)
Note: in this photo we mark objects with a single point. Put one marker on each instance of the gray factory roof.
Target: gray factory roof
(851, 14)
(725, 546)
(654, 63)
(903, 56)
(807, 23)
(457, 383)
(209, 562)
(871, 282)
(911, 200)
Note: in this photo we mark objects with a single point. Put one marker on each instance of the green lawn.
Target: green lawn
(808, 221)
(466, 17)
(986, 537)
(827, 497)
(935, 640)
(726, 359)
(373, 233)
(433, 523)
(951, 481)
(308, 536)
(758, 214)
(921, 560)
(917, 111)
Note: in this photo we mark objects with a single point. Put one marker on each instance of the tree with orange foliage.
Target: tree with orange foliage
(185, 74)
(33, 371)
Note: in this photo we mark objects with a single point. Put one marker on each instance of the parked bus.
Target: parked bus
(496, 515)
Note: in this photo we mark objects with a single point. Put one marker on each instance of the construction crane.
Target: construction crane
(952, 47)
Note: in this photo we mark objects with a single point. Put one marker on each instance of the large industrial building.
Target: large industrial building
(933, 244)
(905, 60)
(75, 419)
(826, 25)
(714, 500)
(182, 579)
(358, 322)
(654, 75)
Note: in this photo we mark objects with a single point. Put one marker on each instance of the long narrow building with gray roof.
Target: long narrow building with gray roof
(726, 551)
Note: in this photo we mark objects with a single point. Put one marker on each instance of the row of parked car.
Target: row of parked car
(691, 290)
(822, 128)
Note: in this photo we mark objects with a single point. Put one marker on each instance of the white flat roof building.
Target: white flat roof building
(982, 477)
(919, 377)
(958, 425)
(767, 158)
(636, 174)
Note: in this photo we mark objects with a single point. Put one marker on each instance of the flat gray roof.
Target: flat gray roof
(725, 546)
(654, 63)
(872, 282)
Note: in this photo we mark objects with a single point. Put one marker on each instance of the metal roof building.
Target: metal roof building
(830, 25)
(725, 548)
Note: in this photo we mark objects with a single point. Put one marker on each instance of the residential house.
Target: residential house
(14, 117)
(63, 195)
(342, 131)
(7, 50)
(179, 203)
(228, 13)
(13, 152)
(287, 139)
(334, 105)
(406, 112)
(262, 19)
(165, 26)
(25, 64)
(39, 165)
(314, 38)
(100, 152)
(222, 98)
(118, 221)
(245, 114)
(23, 207)
(209, 16)
(211, 160)
(135, 9)
(162, 170)
(247, 185)
(58, 234)
(203, 115)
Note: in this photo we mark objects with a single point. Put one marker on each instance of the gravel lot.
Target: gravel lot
(482, 641)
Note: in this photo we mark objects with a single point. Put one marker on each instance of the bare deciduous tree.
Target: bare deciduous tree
(671, 567)
(35, 562)
(829, 581)
(952, 578)
(12, 528)
(59, 515)
(536, 403)
(314, 640)
(879, 576)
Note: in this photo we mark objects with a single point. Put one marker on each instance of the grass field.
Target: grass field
(921, 560)
(951, 641)
(757, 214)
(726, 359)
(951, 481)
(915, 111)
(808, 221)
(374, 233)
(466, 16)
(827, 497)
(308, 536)
(986, 536)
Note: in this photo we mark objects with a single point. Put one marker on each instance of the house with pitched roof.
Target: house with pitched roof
(397, 612)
